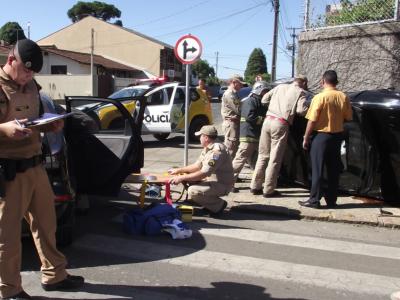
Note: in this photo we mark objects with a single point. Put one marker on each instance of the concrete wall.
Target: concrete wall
(110, 41)
(365, 57)
(59, 86)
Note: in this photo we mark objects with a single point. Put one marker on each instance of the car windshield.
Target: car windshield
(129, 92)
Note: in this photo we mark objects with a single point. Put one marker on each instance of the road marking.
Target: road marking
(357, 282)
(305, 242)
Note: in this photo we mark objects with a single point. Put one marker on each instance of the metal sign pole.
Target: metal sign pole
(185, 157)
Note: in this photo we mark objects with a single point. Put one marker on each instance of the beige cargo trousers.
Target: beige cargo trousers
(28, 196)
(271, 150)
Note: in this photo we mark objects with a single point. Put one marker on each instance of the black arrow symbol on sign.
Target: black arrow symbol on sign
(186, 49)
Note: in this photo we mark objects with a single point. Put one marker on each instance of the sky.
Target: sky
(233, 28)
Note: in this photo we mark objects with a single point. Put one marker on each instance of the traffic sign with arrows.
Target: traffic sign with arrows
(188, 49)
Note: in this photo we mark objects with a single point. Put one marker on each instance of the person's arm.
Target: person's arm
(187, 169)
(266, 99)
(251, 114)
(348, 115)
(307, 134)
(14, 129)
(301, 108)
(190, 177)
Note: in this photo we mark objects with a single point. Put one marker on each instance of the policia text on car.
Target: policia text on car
(26, 191)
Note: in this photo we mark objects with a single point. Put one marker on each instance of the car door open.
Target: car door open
(101, 157)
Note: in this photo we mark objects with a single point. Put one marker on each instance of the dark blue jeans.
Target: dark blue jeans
(325, 151)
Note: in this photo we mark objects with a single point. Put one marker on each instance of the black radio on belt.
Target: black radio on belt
(13, 166)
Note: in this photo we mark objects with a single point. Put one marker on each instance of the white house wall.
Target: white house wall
(59, 86)
(73, 67)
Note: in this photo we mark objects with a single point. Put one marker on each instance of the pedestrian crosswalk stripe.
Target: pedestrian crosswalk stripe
(305, 242)
(357, 282)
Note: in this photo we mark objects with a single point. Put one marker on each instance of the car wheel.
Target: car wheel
(161, 136)
(196, 125)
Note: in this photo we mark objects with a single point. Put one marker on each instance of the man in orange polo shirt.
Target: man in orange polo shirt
(326, 115)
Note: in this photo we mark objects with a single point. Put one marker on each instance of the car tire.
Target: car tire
(196, 125)
(161, 136)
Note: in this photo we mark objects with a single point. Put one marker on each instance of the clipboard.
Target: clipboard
(46, 118)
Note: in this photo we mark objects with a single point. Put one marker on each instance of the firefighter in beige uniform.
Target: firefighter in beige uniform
(284, 102)
(215, 166)
(24, 185)
(230, 112)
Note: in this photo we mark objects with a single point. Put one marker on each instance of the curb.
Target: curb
(288, 213)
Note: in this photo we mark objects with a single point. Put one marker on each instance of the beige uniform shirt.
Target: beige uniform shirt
(19, 103)
(216, 163)
(230, 104)
(285, 101)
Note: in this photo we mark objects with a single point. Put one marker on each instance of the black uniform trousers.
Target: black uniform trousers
(325, 151)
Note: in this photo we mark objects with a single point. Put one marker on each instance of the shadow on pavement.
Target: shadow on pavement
(220, 290)
(266, 211)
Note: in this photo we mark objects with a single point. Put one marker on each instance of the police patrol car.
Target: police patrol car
(165, 109)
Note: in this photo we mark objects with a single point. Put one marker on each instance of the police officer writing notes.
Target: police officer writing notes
(211, 176)
(328, 110)
(251, 120)
(230, 112)
(25, 188)
(284, 101)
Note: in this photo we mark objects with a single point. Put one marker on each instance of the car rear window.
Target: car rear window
(131, 92)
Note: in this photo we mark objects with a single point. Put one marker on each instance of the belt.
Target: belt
(281, 120)
(21, 165)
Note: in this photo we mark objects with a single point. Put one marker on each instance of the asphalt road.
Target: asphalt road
(243, 256)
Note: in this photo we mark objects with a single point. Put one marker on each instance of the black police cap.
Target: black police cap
(30, 54)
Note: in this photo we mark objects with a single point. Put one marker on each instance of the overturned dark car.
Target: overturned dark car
(370, 152)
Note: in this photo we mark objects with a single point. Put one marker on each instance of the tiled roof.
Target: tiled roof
(84, 58)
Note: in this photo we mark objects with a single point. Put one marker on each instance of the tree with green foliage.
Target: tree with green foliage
(202, 69)
(256, 65)
(360, 11)
(11, 32)
(96, 9)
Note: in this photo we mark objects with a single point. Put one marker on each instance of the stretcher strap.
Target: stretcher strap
(142, 193)
(168, 193)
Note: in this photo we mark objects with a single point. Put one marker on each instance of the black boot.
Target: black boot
(69, 283)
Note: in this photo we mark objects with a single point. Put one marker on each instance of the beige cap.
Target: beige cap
(301, 77)
(236, 77)
(209, 130)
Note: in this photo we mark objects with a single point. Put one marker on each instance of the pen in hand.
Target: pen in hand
(19, 124)
(23, 131)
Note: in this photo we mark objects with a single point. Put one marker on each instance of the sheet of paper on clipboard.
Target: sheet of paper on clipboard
(46, 118)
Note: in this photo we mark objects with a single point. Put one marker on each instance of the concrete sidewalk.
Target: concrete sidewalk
(357, 210)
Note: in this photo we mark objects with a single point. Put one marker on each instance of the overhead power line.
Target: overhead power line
(171, 15)
(219, 19)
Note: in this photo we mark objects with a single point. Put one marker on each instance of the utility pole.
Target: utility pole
(91, 60)
(29, 30)
(216, 64)
(275, 40)
(292, 46)
(307, 15)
